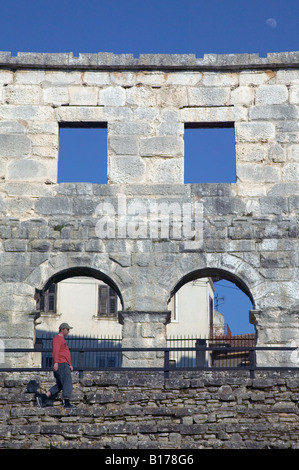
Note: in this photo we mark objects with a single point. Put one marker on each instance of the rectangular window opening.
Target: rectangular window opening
(210, 155)
(82, 153)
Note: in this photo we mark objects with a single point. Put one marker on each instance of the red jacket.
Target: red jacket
(60, 350)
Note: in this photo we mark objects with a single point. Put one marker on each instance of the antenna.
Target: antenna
(217, 300)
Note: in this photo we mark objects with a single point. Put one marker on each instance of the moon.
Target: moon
(271, 22)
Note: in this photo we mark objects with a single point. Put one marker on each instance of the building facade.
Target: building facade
(91, 307)
(245, 232)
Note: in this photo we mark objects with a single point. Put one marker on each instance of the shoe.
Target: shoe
(67, 404)
(40, 400)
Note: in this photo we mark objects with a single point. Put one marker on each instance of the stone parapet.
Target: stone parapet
(145, 61)
(191, 410)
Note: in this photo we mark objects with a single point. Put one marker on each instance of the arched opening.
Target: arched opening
(80, 271)
(210, 306)
(216, 275)
(89, 301)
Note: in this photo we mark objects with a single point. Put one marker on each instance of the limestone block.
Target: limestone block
(277, 153)
(220, 79)
(116, 114)
(25, 189)
(256, 77)
(251, 152)
(23, 94)
(126, 169)
(209, 96)
(37, 113)
(32, 170)
(80, 114)
(243, 95)
(123, 145)
(94, 246)
(294, 94)
(183, 78)
(273, 112)
(290, 172)
(153, 79)
(172, 97)
(62, 78)
(15, 245)
(46, 140)
(208, 114)
(96, 78)
(86, 114)
(84, 205)
(288, 76)
(57, 96)
(223, 206)
(85, 96)
(7, 127)
(19, 207)
(271, 94)
(293, 153)
(6, 77)
(165, 146)
(16, 294)
(257, 173)
(165, 170)
(14, 145)
(112, 96)
(287, 132)
(254, 132)
(130, 128)
(145, 114)
(124, 79)
(273, 205)
(44, 145)
(141, 96)
(47, 152)
(284, 189)
(2, 169)
(39, 127)
(29, 77)
(75, 189)
(54, 206)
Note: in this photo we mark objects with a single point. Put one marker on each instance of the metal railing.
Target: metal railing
(94, 358)
(203, 355)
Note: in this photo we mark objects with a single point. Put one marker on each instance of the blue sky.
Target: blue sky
(157, 26)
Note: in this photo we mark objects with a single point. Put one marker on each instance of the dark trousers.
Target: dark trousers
(63, 381)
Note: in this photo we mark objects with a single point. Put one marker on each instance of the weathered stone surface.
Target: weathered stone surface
(248, 229)
(123, 410)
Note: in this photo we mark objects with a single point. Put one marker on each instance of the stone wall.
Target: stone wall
(249, 228)
(191, 410)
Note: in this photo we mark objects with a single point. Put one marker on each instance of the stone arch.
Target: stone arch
(80, 271)
(215, 274)
(222, 266)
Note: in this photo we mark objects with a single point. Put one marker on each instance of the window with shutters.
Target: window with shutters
(107, 305)
(48, 300)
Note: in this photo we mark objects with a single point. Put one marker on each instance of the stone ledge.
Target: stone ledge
(145, 411)
(106, 60)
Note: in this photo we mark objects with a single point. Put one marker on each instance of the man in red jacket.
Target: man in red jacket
(62, 369)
